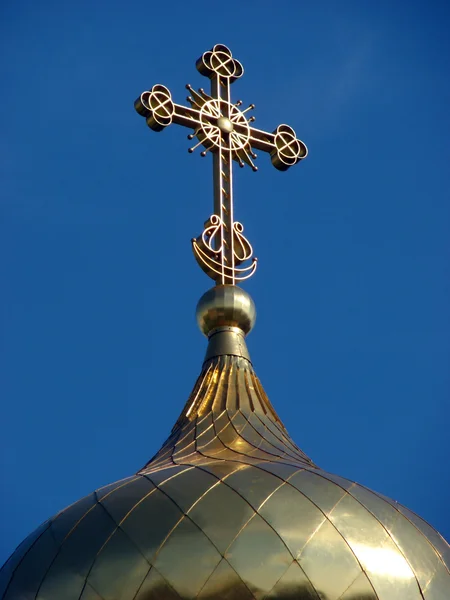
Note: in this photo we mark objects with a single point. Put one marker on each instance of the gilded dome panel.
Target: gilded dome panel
(230, 507)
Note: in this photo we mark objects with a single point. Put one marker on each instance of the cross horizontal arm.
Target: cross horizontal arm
(267, 142)
(160, 111)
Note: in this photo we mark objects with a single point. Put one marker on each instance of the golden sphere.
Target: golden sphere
(226, 306)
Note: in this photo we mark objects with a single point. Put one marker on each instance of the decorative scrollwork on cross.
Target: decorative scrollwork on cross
(209, 250)
(219, 61)
(223, 129)
(288, 149)
(158, 106)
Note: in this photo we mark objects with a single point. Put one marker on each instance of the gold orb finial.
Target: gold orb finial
(226, 306)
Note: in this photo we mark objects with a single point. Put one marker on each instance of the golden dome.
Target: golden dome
(230, 508)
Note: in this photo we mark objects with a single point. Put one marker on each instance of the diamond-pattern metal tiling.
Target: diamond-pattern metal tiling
(230, 508)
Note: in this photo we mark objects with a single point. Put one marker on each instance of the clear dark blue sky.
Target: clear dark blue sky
(100, 347)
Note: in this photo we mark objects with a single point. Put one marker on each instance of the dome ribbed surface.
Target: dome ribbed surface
(230, 508)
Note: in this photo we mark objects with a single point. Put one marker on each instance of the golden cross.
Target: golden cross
(224, 129)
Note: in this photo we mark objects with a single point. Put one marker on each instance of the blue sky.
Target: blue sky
(100, 347)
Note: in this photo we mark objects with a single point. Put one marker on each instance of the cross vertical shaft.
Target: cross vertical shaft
(223, 180)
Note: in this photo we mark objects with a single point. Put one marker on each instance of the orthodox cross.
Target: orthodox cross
(222, 128)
